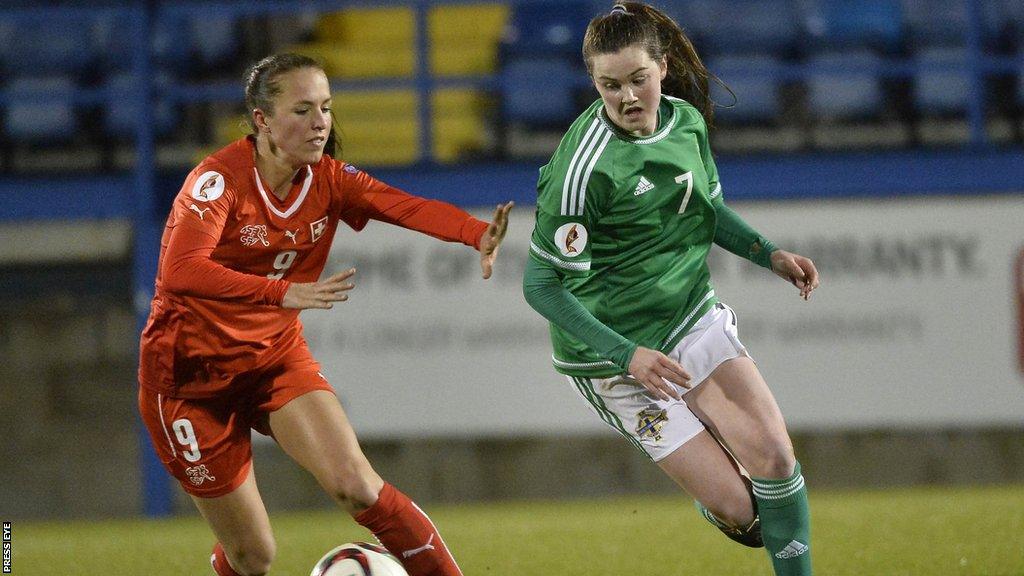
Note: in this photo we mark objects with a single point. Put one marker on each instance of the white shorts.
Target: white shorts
(657, 427)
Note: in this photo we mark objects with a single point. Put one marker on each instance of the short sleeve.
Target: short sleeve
(565, 218)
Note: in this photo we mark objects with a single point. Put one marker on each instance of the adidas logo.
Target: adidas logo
(644, 186)
(792, 550)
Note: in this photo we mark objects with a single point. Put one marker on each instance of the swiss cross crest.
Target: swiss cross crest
(199, 474)
(316, 229)
(253, 233)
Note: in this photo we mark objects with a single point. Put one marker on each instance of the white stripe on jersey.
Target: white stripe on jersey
(298, 201)
(575, 157)
(581, 166)
(578, 266)
(590, 168)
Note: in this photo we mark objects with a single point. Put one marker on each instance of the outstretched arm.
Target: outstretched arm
(736, 236)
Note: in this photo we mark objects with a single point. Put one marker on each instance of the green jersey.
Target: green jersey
(627, 223)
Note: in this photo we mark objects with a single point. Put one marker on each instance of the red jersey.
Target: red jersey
(231, 248)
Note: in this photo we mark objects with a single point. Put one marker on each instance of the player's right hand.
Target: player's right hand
(322, 294)
(657, 372)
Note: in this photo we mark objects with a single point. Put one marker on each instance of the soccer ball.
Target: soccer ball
(358, 559)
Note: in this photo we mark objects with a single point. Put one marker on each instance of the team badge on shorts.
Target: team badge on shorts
(649, 422)
(199, 474)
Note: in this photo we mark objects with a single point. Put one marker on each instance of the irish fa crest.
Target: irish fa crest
(649, 423)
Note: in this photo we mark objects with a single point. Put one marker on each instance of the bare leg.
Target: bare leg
(240, 523)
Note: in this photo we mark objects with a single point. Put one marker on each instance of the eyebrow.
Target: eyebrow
(630, 74)
(311, 103)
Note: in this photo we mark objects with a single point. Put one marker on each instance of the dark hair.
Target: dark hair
(635, 23)
(261, 88)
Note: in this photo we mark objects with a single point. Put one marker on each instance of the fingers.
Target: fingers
(487, 264)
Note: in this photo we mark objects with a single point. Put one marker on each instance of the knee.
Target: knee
(776, 459)
(737, 511)
(252, 559)
(354, 488)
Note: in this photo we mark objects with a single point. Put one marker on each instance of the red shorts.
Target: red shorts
(206, 443)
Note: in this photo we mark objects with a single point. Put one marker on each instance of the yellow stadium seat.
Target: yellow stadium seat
(457, 101)
(457, 136)
(351, 61)
(380, 141)
(454, 59)
(374, 103)
(369, 26)
(479, 23)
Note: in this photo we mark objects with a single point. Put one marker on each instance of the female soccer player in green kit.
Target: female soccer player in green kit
(627, 210)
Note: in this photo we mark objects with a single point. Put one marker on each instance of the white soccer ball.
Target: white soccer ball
(358, 559)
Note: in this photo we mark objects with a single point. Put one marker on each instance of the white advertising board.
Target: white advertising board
(917, 323)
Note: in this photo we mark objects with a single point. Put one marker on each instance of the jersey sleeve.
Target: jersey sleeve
(710, 168)
(365, 198)
(194, 229)
(565, 216)
(731, 231)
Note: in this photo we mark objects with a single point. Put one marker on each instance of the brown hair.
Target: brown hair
(261, 88)
(635, 23)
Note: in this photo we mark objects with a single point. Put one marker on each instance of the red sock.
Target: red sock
(220, 562)
(408, 533)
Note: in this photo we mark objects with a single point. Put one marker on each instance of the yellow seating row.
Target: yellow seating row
(382, 127)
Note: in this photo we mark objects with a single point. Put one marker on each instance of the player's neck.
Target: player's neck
(275, 171)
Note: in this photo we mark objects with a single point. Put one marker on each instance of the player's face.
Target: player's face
(629, 82)
(301, 119)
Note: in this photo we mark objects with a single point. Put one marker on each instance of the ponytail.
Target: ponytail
(635, 23)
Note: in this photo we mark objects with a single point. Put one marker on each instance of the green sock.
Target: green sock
(785, 523)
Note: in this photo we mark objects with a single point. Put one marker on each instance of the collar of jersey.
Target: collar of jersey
(298, 201)
(656, 137)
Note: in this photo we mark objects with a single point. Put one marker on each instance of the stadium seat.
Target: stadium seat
(755, 86)
(750, 26)
(121, 111)
(539, 92)
(61, 46)
(843, 94)
(32, 119)
(359, 43)
(944, 22)
(546, 30)
(459, 122)
(854, 23)
(378, 127)
(464, 38)
(942, 86)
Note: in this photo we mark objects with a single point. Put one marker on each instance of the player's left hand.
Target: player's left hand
(492, 238)
(797, 270)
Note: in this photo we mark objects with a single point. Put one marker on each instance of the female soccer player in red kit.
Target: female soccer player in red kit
(242, 252)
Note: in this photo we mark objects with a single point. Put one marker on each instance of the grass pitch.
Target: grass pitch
(906, 532)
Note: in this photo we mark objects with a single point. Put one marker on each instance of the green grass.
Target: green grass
(932, 531)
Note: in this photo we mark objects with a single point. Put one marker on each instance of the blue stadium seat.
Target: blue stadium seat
(741, 26)
(845, 95)
(546, 29)
(43, 48)
(757, 96)
(177, 41)
(539, 92)
(121, 110)
(32, 119)
(944, 22)
(854, 23)
(946, 88)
